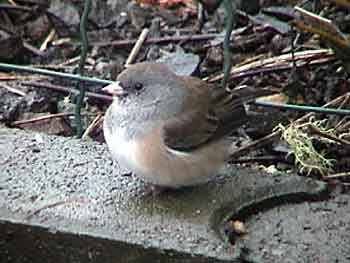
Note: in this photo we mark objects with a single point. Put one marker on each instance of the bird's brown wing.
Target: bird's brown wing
(189, 131)
(218, 112)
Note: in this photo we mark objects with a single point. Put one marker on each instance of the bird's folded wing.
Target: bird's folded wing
(219, 113)
(210, 113)
(189, 131)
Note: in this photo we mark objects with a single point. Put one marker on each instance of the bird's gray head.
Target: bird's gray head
(145, 84)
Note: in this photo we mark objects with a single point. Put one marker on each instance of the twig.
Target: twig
(200, 17)
(135, 50)
(260, 159)
(49, 37)
(46, 117)
(93, 124)
(69, 61)
(158, 40)
(51, 116)
(274, 69)
(337, 175)
(317, 131)
(33, 49)
(343, 122)
(13, 90)
(15, 7)
(282, 60)
(254, 145)
(12, 2)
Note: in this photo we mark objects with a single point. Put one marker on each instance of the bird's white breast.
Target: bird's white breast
(121, 148)
(119, 145)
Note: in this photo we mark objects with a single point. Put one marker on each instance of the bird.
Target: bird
(171, 131)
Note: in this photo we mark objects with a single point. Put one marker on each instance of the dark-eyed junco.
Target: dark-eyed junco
(171, 131)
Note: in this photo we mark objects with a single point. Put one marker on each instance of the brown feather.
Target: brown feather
(216, 114)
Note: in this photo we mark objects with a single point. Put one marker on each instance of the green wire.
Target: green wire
(230, 21)
(106, 82)
(46, 72)
(83, 54)
(302, 108)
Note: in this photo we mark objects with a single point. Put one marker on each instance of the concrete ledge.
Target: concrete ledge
(64, 200)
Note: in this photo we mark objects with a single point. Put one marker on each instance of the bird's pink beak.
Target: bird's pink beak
(114, 89)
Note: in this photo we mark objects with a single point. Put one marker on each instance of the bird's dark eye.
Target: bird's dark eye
(138, 86)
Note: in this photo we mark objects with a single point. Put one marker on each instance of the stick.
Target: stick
(135, 50)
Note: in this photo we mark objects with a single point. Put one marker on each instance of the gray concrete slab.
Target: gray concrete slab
(65, 200)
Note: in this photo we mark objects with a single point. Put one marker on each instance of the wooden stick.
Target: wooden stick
(135, 50)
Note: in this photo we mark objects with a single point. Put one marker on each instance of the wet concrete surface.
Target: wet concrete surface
(305, 232)
(65, 200)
